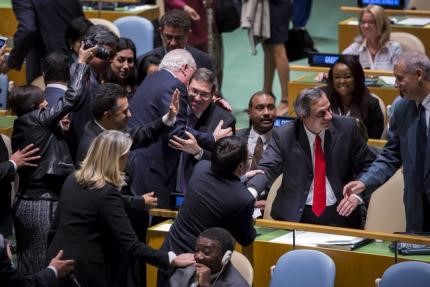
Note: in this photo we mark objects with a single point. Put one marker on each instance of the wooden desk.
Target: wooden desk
(358, 268)
(347, 32)
(387, 93)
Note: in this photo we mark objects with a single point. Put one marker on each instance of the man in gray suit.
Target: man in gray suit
(407, 144)
(317, 154)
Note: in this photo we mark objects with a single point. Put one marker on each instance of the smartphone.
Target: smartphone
(3, 41)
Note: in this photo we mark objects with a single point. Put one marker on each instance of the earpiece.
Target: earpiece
(226, 258)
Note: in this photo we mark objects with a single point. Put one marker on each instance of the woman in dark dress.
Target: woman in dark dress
(349, 96)
(91, 225)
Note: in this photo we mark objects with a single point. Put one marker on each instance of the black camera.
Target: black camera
(101, 53)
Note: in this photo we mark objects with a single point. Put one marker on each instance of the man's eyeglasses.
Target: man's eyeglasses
(194, 93)
(177, 38)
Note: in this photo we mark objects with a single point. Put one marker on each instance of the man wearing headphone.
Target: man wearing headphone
(213, 251)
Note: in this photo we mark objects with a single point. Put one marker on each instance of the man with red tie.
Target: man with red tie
(317, 154)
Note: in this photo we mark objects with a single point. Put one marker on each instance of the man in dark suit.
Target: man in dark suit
(175, 25)
(317, 154)
(213, 251)
(215, 198)
(202, 115)
(8, 169)
(155, 167)
(56, 75)
(40, 31)
(262, 114)
(408, 142)
(10, 277)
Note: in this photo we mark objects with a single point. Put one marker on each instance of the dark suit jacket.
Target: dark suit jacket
(244, 134)
(10, 277)
(154, 168)
(142, 136)
(207, 123)
(90, 227)
(212, 201)
(203, 60)
(184, 277)
(7, 175)
(400, 150)
(289, 153)
(41, 28)
(53, 94)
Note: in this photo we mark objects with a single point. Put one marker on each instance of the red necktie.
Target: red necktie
(318, 204)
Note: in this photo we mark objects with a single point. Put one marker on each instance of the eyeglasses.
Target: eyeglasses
(177, 38)
(370, 23)
(194, 93)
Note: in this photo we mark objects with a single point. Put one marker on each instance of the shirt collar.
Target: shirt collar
(426, 103)
(58, 86)
(264, 137)
(97, 123)
(311, 135)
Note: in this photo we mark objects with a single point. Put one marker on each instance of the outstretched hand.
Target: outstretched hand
(174, 105)
(26, 156)
(220, 133)
(63, 267)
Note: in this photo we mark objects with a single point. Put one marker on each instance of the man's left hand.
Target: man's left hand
(347, 205)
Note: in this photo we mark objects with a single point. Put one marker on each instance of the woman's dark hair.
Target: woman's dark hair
(227, 154)
(24, 99)
(360, 95)
(131, 81)
(76, 30)
(144, 65)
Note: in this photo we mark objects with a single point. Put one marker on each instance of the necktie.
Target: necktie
(318, 204)
(421, 144)
(258, 152)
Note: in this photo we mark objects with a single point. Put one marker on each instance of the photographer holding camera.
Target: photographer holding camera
(47, 277)
(106, 42)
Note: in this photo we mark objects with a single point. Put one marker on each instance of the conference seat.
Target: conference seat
(242, 264)
(271, 196)
(386, 211)
(107, 23)
(410, 273)
(408, 42)
(304, 268)
(139, 30)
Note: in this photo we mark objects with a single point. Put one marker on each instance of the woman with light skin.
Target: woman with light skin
(350, 97)
(122, 69)
(373, 46)
(91, 225)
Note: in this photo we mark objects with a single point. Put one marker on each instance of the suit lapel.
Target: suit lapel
(303, 143)
(412, 141)
(427, 161)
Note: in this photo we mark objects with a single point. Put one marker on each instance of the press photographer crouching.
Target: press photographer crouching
(10, 277)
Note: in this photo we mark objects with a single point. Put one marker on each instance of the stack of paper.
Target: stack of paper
(414, 21)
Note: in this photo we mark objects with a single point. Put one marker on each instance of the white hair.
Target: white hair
(176, 59)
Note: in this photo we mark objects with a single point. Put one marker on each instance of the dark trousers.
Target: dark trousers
(301, 12)
(330, 217)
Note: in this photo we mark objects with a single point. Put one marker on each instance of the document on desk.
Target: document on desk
(389, 80)
(314, 239)
(165, 227)
(414, 21)
(142, 7)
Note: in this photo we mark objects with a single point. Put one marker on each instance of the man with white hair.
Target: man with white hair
(408, 143)
(155, 168)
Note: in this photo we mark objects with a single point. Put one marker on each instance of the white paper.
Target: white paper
(352, 22)
(414, 21)
(389, 80)
(306, 238)
(142, 7)
(162, 227)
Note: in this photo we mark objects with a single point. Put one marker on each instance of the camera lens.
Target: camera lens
(102, 53)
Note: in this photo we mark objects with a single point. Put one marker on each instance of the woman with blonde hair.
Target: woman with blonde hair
(373, 46)
(91, 225)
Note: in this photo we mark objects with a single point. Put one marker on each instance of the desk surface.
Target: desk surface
(355, 268)
(348, 30)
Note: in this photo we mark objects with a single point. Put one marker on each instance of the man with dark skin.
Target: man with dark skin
(212, 268)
